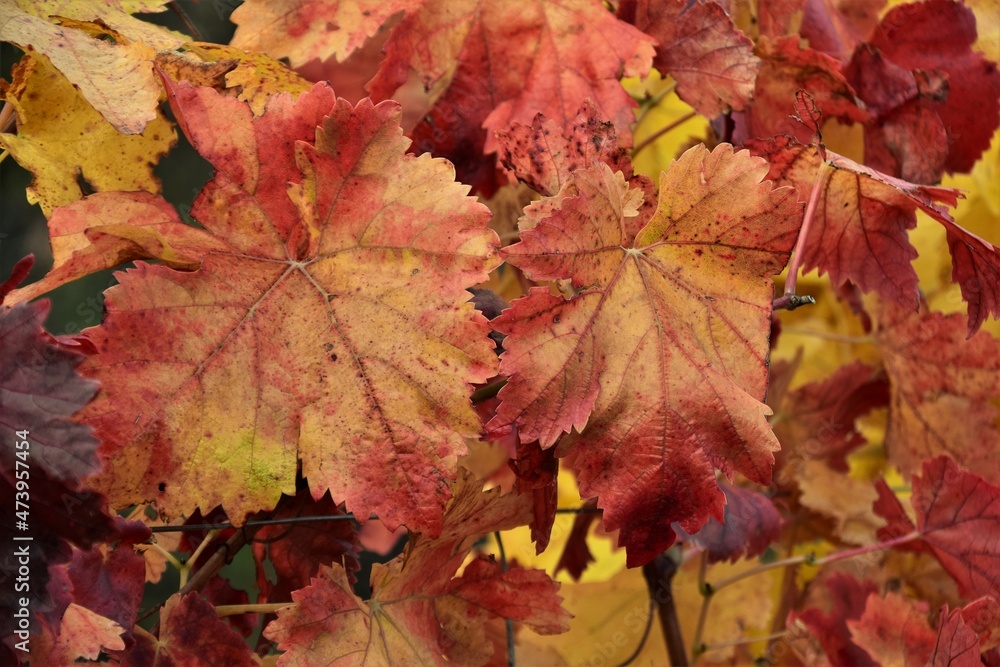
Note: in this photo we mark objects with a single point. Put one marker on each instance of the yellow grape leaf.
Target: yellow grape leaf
(61, 139)
(302, 30)
(116, 78)
(846, 500)
(257, 76)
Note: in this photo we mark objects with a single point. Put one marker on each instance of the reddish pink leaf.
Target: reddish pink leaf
(750, 525)
(304, 30)
(499, 63)
(957, 645)
(329, 335)
(819, 418)
(869, 214)
(107, 229)
(906, 137)
(983, 616)
(297, 551)
(935, 38)
(894, 630)
(537, 470)
(958, 516)
(191, 635)
(109, 579)
(576, 554)
(661, 354)
(940, 390)
(544, 155)
(831, 629)
(712, 60)
(788, 68)
(836, 26)
(432, 614)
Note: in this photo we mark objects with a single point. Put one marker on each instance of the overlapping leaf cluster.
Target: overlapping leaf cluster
(309, 347)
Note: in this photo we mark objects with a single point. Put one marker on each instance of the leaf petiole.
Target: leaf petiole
(811, 559)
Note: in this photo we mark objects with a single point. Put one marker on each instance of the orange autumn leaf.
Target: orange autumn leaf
(941, 386)
(698, 45)
(490, 64)
(325, 329)
(659, 360)
(116, 77)
(303, 30)
(66, 143)
(860, 230)
(420, 611)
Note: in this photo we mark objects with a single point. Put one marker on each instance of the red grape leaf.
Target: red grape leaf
(906, 136)
(956, 645)
(712, 60)
(983, 616)
(894, 630)
(788, 68)
(330, 330)
(537, 470)
(420, 613)
(778, 17)
(661, 354)
(751, 524)
(936, 37)
(940, 390)
(544, 155)
(868, 213)
(191, 635)
(848, 597)
(107, 229)
(816, 421)
(82, 633)
(39, 391)
(109, 579)
(958, 517)
(303, 30)
(576, 554)
(296, 551)
(494, 63)
(836, 26)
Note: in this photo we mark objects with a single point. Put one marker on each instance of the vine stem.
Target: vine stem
(826, 335)
(223, 554)
(659, 575)
(508, 623)
(745, 640)
(185, 570)
(176, 564)
(812, 560)
(663, 130)
(6, 116)
(706, 599)
(237, 609)
(800, 243)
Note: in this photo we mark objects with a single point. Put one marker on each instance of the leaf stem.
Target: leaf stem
(800, 243)
(489, 391)
(185, 569)
(706, 590)
(6, 116)
(659, 574)
(508, 623)
(743, 641)
(176, 564)
(3, 155)
(237, 609)
(816, 562)
(826, 335)
(663, 130)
